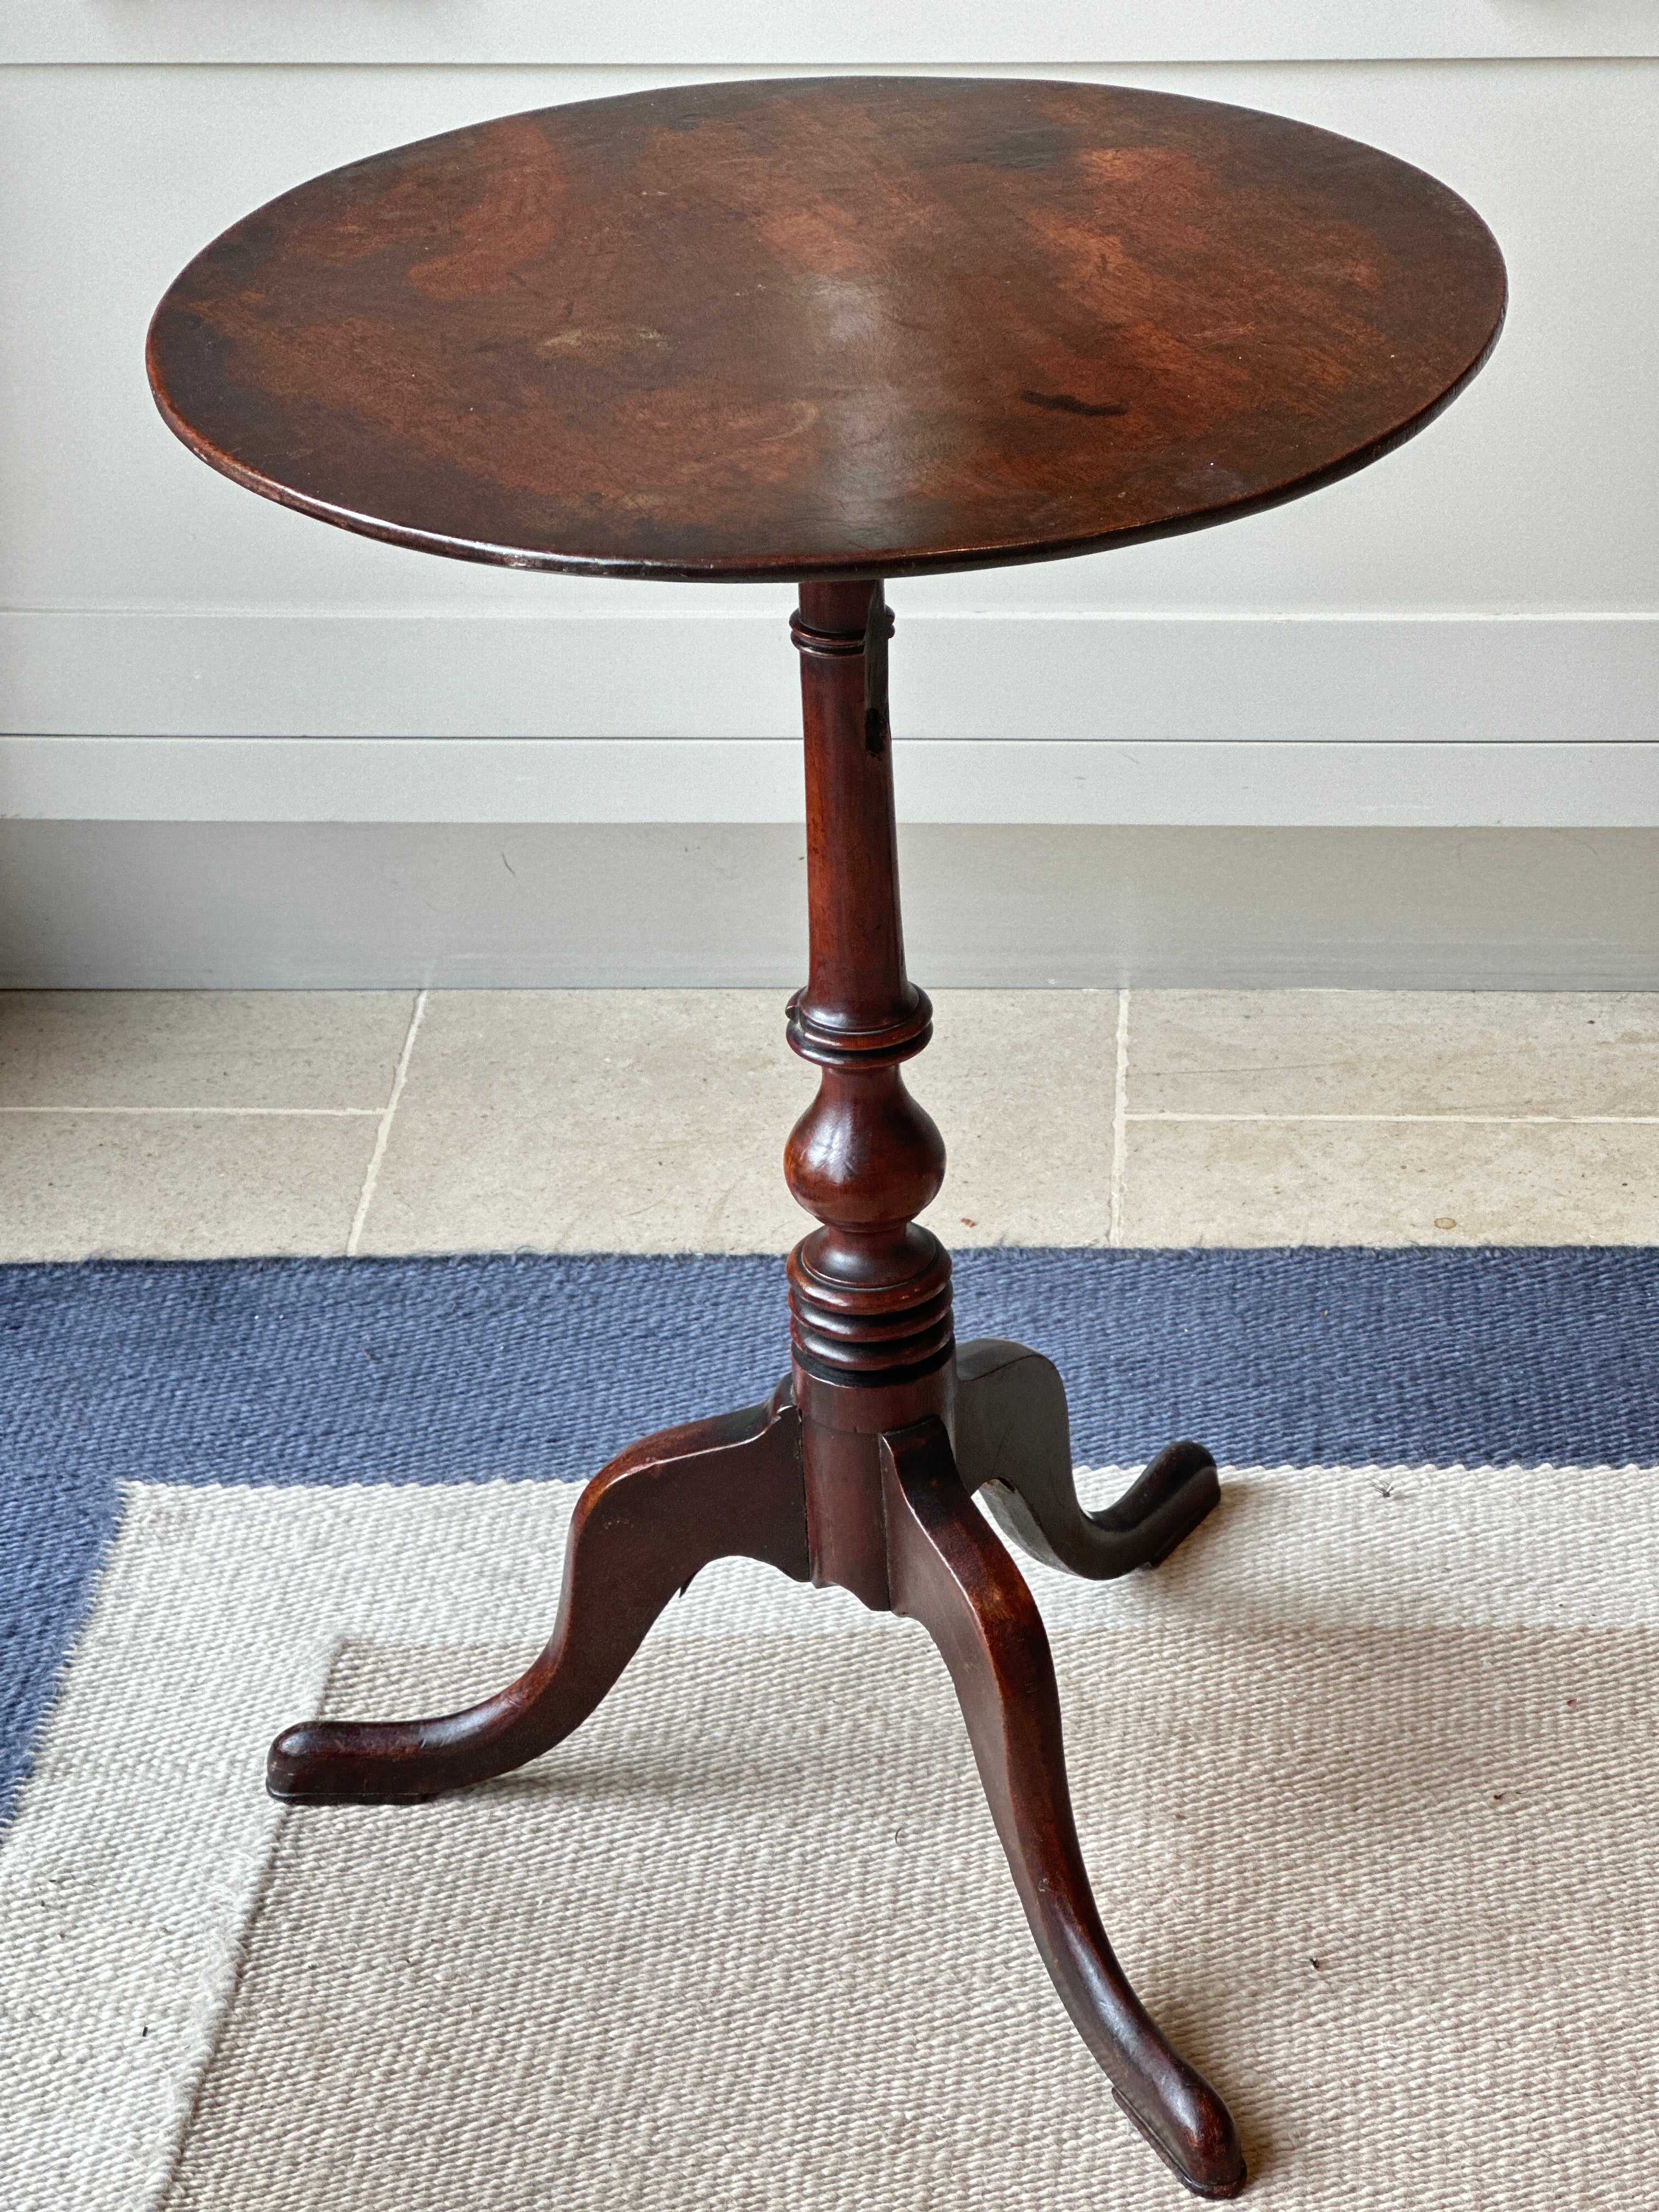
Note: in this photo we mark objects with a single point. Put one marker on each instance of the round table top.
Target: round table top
(831, 327)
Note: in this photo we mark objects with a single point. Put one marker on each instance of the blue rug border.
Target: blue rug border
(469, 1367)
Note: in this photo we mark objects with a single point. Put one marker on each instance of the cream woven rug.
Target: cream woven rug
(1365, 1776)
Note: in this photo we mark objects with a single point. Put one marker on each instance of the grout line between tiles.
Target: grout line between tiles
(281, 1113)
(1120, 1122)
(371, 1172)
(1482, 1121)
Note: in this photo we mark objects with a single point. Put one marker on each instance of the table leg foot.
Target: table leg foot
(642, 1529)
(1014, 1447)
(948, 1571)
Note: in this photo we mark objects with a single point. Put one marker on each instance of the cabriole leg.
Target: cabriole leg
(947, 1570)
(643, 1528)
(1013, 1445)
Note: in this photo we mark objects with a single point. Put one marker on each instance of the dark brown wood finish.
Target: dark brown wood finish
(948, 1571)
(850, 1473)
(869, 1292)
(1013, 1446)
(643, 1528)
(834, 331)
(861, 326)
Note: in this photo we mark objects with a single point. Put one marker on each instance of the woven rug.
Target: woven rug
(1364, 1773)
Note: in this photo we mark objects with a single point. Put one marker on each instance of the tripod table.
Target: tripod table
(831, 331)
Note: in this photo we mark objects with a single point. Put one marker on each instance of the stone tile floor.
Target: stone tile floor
(195, 1123)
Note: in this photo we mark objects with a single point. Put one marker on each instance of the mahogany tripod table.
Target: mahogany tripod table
(831, 331)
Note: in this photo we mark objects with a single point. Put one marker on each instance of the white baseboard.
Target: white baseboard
(128, 905)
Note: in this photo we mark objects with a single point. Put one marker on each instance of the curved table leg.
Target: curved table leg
(948, 1572)
(1014, 1445)
(642, 1529)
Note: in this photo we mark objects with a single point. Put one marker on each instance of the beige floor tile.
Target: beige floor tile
(174, 1048)
(593, 1121)
(655, 1122)
(1394, 1051)
(1021, 1085)
(178, 1186)
(1381, 1183)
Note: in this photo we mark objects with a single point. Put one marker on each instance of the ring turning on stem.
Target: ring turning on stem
(869, 1292)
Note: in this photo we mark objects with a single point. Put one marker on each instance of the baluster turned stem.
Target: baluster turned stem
(869, 1291)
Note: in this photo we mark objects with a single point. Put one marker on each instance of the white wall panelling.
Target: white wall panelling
(1013, 675)
(1342, 660)
(1537, 492)
(851, 35)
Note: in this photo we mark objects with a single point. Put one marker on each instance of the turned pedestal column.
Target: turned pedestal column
(869, 1292)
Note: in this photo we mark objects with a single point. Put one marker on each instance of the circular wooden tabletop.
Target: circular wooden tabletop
(833, 327)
